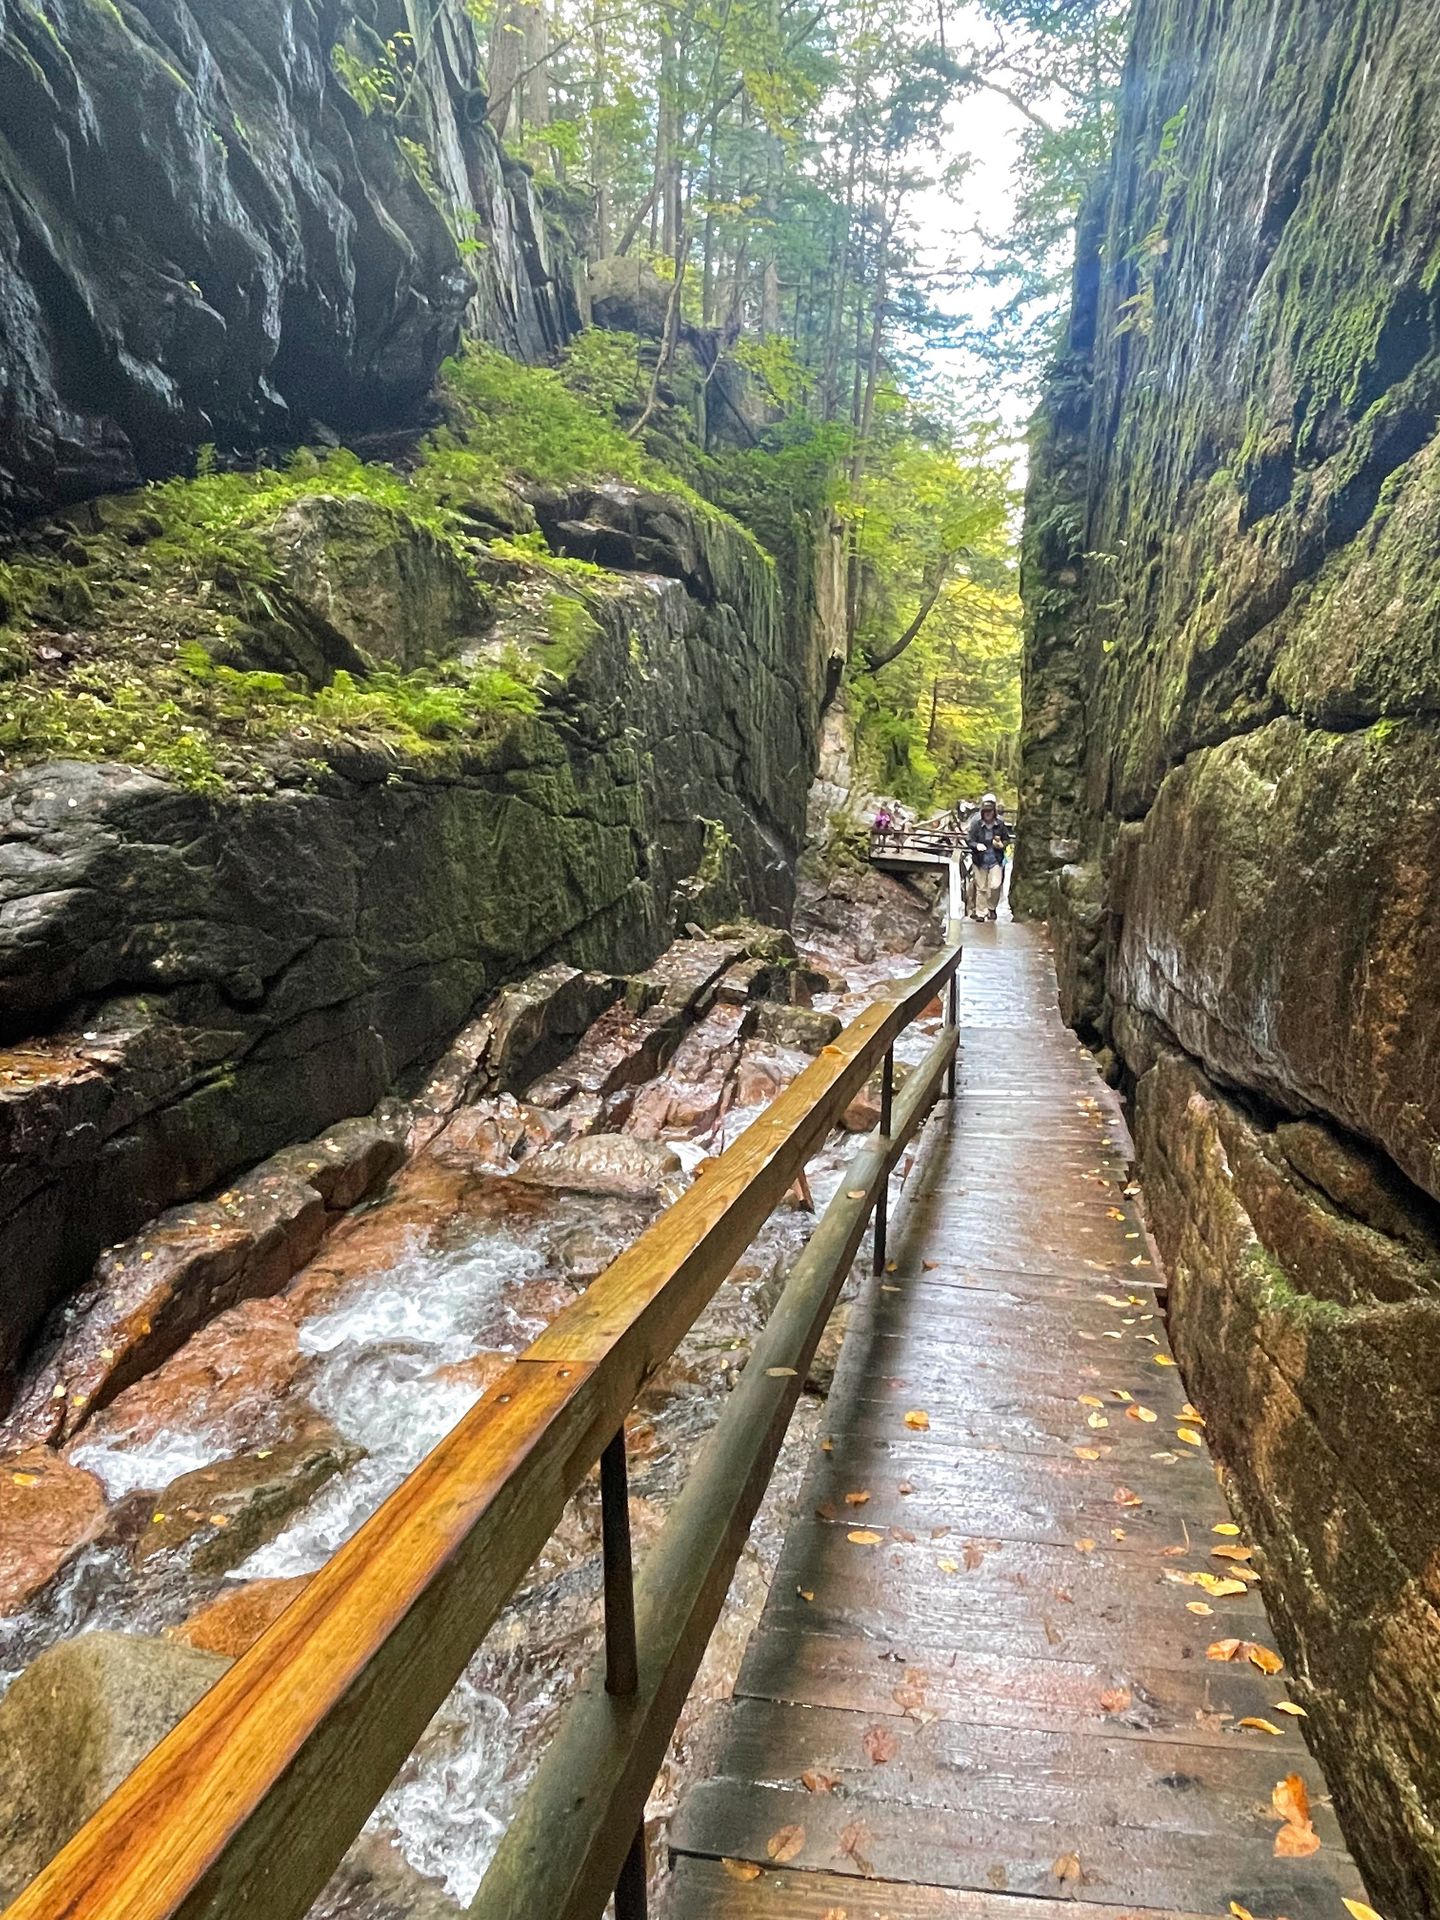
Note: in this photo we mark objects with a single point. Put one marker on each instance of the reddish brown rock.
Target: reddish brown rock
(233, 1378)
(152, 1292)
(232, 1624)
(48, 1511)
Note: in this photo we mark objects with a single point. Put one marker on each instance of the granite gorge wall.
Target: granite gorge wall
(190, 979)
(228, 223)
(1232, 802)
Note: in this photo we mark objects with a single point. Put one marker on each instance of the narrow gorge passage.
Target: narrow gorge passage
(521, 522)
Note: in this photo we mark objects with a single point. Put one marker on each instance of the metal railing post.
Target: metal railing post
(882, 1204)
(952, 1001)
(622, 1661)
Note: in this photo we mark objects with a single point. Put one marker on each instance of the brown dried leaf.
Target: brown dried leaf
(858, 1498)
(817, 1780)
(1087, 1453)
(852, 1841)
(1115, 1699)
(741, 1869)
(785, 1844)
(908, 1698)
(974, 1554)
(1084, 1546)
(1225, 1650)
(880, 1745)
(1067, 1869)
(1262, 1657)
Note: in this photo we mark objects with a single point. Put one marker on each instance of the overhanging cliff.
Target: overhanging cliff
(235, 223)
(1231, 804)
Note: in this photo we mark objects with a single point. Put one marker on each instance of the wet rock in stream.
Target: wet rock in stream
(71, 1728)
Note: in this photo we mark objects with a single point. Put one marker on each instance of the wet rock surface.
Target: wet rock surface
(1231, 795)
(198, 1501)
(74, 1725)
(204, 237)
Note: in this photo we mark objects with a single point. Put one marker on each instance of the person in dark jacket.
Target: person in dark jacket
(987, 837)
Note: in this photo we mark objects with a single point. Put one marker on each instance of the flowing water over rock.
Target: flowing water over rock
(198, 1501)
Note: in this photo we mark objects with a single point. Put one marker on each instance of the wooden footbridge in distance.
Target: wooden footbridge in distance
(989, 1673)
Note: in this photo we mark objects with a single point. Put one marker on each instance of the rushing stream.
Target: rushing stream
(372, 1353)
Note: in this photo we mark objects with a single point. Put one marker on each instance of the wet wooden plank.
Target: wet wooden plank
(1196, 1702)
(705, 1890)
(1119, 1862)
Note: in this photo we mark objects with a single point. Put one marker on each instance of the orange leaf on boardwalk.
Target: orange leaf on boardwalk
(816, 1780)
(918, 1419)
(857, 1499)
(1115, 1699)
(741, 1869)
(863, 1537)
(1297, 1838)
(1067, 1869)
(785, 1844)
(880, 1745)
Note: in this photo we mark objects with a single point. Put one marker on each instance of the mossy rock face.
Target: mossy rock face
(221, 968)
(1231, 797)
(1306, 1335)
(391, 592)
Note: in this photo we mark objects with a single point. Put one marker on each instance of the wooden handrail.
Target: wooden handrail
(561, 1853)
(245, 1809)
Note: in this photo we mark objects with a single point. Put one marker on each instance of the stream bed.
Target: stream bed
(224, 1478)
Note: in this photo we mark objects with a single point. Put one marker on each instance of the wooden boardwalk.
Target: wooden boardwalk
(982, 1676)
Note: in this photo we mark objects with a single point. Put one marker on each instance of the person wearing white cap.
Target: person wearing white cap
(987, 838)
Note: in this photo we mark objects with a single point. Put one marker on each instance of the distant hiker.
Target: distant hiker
(883, 822)
(987, 837)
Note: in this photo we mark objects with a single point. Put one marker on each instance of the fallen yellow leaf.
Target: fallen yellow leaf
(1228, 1528)
(1189, 1436)
(1090, 1400)
(918, 1419)
(863, 1537)
(1087, 1453)
(1160, 1359)
(1359, 1909)
(1260, 1726)
(1197, 1606)
(1096, 1420)
(1289, 1706)
(1141, 1413)
(1084, 1546)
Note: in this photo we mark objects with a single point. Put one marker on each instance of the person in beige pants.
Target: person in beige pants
(987, 838)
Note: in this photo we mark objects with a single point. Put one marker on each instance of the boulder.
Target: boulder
(379, 590)
(232, 1624)
(800, 1027)
(217, 1516)
(627, 295)
(73, 1725)
(607, 1163)
(48, 1511)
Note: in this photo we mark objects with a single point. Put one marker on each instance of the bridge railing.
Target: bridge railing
(246, 1808)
